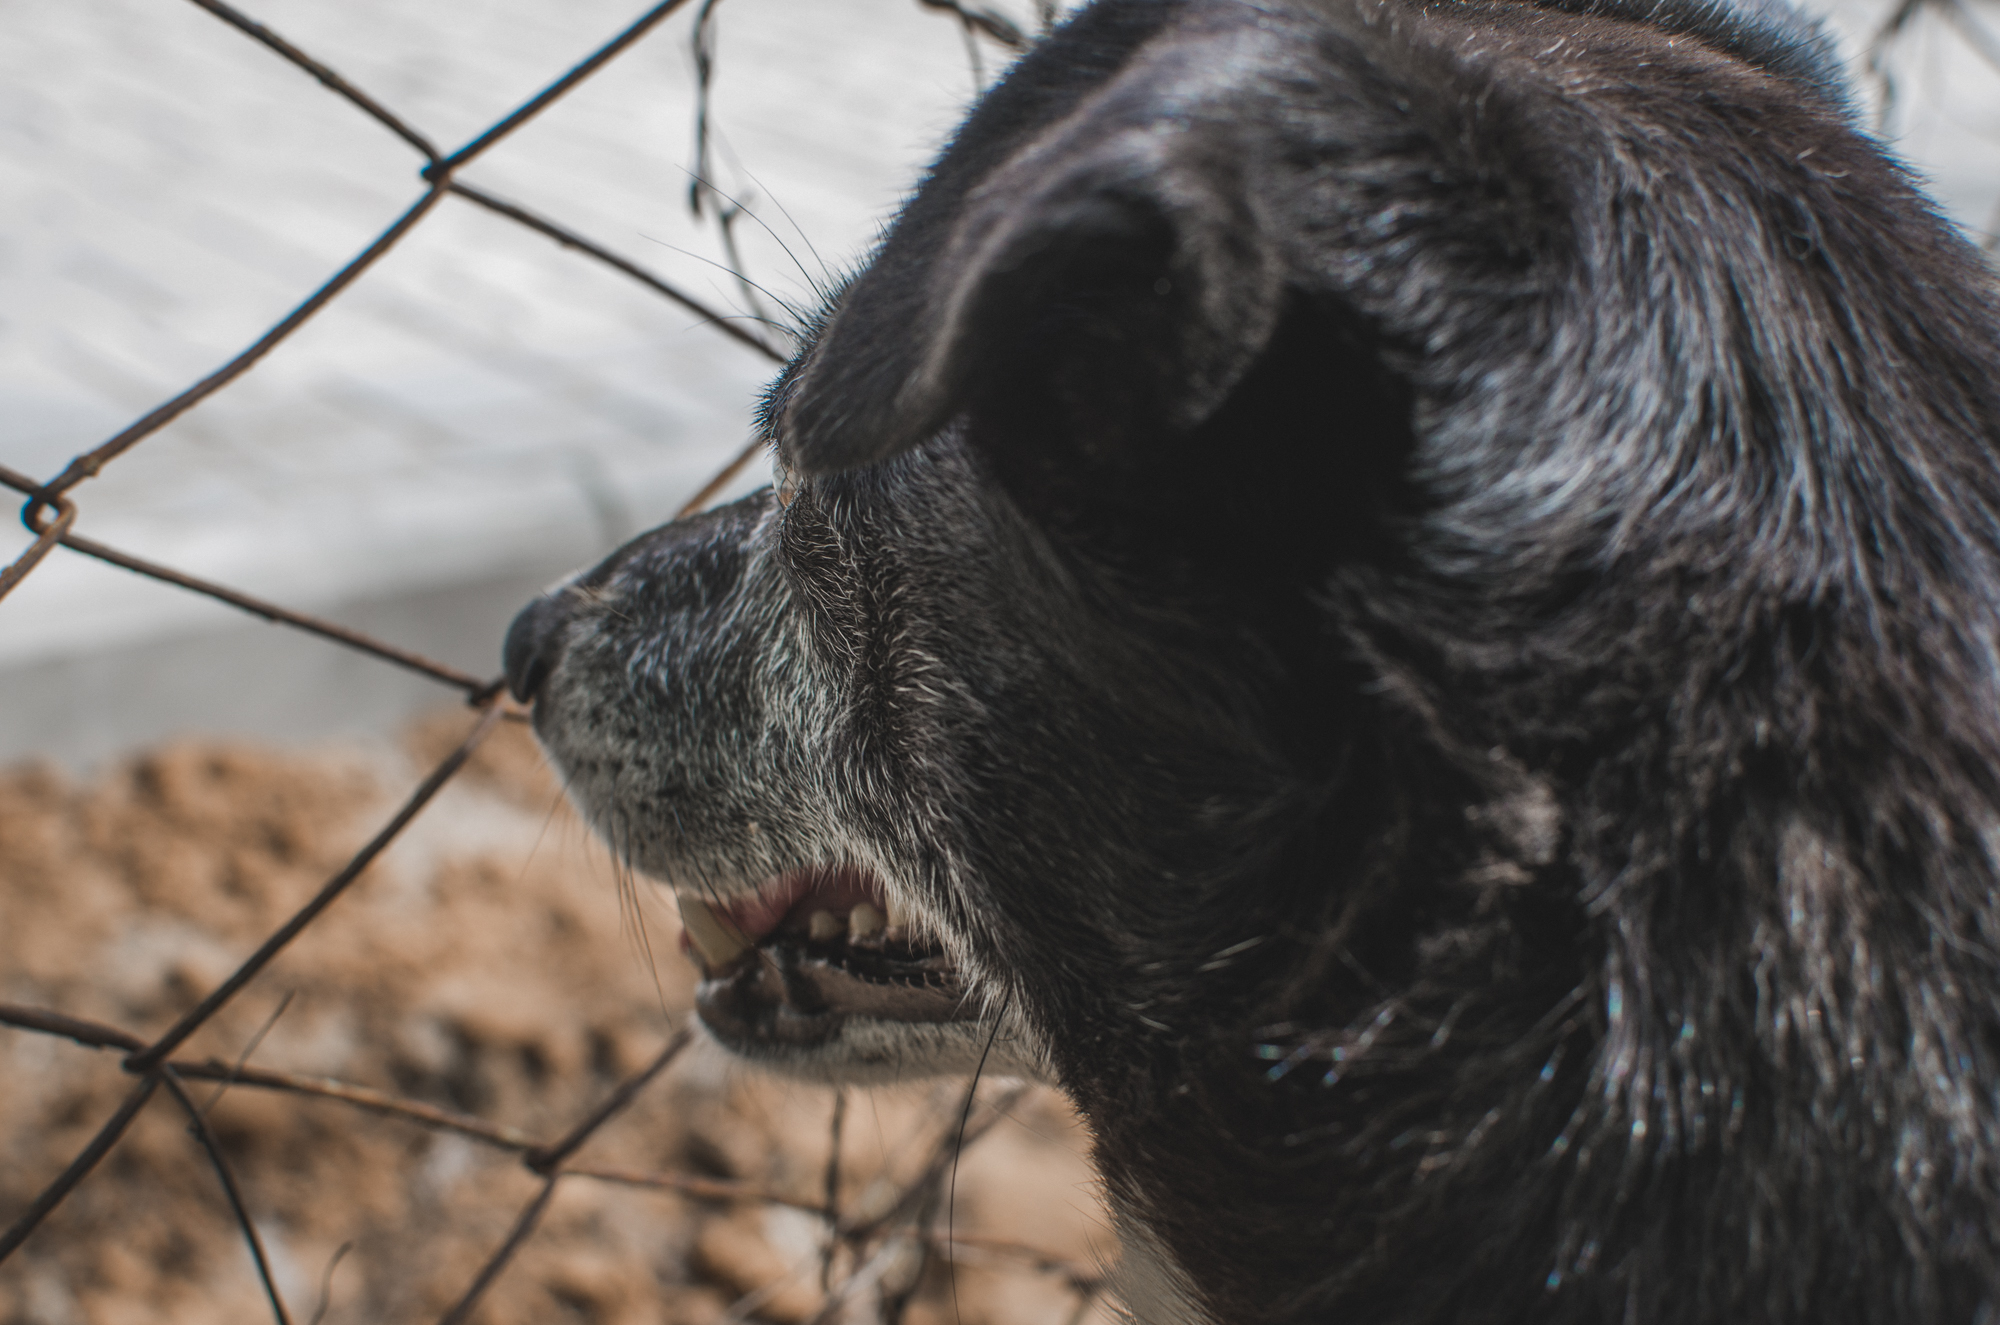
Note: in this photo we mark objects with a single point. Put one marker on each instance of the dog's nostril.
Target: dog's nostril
(533, 643)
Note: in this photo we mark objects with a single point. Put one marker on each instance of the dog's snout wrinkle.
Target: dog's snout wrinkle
(534, 641)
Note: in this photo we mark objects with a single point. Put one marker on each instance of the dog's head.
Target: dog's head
(1305, 600)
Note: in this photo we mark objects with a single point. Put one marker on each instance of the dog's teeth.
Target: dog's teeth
(864, 921)
(717, 940)
(894, 915)
(823, 926)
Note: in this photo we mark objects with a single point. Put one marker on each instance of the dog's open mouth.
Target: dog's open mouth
(789, 965)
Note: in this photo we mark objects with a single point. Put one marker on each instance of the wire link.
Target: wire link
(50, 515)
(47, 534)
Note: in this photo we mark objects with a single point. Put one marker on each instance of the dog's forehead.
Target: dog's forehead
(1774, 35)
(1105, 39)
(866, 385)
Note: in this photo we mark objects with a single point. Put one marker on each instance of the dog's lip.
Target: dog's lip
(718, 932)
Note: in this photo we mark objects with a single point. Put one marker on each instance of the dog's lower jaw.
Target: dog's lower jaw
(870, 1051)
(823, 972)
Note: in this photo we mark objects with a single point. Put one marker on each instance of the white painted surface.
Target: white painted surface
(482, 401)
(483, 410)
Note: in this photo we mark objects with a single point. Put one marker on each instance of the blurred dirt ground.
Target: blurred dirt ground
(489, 963)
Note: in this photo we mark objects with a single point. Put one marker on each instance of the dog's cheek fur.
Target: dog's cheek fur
(691, 748)
(1648, 570)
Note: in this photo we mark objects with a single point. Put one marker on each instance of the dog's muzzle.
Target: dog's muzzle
(790, 964)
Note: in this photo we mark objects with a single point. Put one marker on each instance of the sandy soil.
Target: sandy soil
(489, 963)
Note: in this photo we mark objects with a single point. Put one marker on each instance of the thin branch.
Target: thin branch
(832, 1188)
(866, 1276)
(326, 1282)
(1976, 34)
(90, 462)
(946, 1149)
(542, 100)
(362, 1097)
(546, 1159)
(475, 687)
(722, 322)
(988, 22)
(701, 46)
(93, 1034)
(249, 1048)
(723, 478)
(188, 1024)
(205, 1135)
(702, 1188)
(524, 1226)
(80, 1167)
(1878, 55)
(743, 1308)
(332, 81)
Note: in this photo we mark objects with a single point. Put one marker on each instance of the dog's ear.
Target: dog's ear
(1113, 275)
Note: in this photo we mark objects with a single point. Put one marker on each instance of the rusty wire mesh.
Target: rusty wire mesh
(869, 1241)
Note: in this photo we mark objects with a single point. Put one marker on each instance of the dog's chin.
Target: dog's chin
(818, 974)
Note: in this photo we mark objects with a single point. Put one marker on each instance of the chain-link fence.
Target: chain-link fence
(871, 1255)
(871, 1258)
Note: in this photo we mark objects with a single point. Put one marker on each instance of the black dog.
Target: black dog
(1402, 598)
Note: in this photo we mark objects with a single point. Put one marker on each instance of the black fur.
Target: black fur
(1416, 585)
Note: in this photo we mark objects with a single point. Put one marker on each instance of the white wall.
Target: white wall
(483, 410)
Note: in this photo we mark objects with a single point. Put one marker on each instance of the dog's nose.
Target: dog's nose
(534, 642)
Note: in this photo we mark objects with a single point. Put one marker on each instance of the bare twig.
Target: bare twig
(201, 1012)
(361, 1097)
(1977, 35)
(90, 462)
(546, 1159)
(943, 1152)
(723, 478)
(243, 1058)
(476, 688)
(832, 1187)
(689, 1184)
(542, 100)
(1878, 55)
(989, 23)
(205, 1136)
(326, 1282)
(524, 1227)
(80, 1167)
(722, 322)
(701, 45)
(94, 1034)
(866, 1276)
(332, 81)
